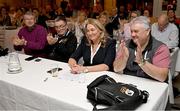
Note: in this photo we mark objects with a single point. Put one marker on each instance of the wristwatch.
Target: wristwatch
(86, 70)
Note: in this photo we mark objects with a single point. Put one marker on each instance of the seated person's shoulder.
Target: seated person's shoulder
(111, 41)
(71, 34)
(164, 48)
(155, 24)
(153, 20)
(84, 41)
(178, 21)
(173, 26)
(40, 27)
(127, 25)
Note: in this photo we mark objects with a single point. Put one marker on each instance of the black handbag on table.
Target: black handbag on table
(116, 96)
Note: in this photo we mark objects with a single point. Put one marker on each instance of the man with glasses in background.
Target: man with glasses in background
(63, 43)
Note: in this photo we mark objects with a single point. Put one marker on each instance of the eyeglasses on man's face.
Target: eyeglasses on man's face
(60, 26)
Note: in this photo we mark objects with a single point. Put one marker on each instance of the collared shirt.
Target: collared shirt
(155, 53)
(169, 35)
(161, 57)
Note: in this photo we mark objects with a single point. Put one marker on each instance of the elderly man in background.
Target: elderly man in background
(31, 37)
(165, 32)
(142, 55)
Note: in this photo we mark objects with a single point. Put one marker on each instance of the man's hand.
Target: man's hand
(51, 40)
(138, 54)
(121, 58)
(17, 41)
(123, 52)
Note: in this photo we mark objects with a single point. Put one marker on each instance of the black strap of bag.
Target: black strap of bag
(3, 51)
(116, 96)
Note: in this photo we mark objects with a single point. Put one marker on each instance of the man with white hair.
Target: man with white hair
(165, 32)
(31, 37)
(142, 55)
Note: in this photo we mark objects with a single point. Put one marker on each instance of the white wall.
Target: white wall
(178, 9)
(157, 8)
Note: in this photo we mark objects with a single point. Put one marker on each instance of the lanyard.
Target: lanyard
(93, 54)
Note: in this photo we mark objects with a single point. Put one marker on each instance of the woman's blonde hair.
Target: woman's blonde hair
(106, 14)
(97, 24)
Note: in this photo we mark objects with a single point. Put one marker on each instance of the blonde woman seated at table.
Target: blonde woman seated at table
(143, 55)
(97, 50)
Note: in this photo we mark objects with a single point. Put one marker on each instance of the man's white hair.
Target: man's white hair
(141, 20)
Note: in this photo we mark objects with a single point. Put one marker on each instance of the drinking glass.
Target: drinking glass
(81, 78)
(54, 70)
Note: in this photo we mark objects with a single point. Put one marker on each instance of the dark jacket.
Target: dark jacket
(64, 47)
(105, 55)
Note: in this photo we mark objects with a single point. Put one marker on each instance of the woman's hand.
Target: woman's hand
(77, 69)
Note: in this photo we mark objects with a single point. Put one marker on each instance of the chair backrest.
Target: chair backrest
(2, 36)
(174, 55)
(171, 74)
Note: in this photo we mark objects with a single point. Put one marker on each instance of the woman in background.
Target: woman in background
(5, 19)
(80, 25)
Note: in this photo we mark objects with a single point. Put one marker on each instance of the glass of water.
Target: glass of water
(54, 70)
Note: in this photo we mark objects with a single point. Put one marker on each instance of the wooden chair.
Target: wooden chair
(2, 36)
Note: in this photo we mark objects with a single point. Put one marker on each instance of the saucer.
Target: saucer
(14, 72)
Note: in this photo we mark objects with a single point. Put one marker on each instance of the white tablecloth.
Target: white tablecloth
(28, 91)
